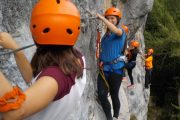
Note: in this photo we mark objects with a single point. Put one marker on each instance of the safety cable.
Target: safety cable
(13, 51)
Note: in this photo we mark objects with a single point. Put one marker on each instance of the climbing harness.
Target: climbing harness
(13, 51)
(116, 60)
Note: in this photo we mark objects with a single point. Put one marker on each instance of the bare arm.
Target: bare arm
(23, 64)
(143, 57)
(111, 27)
(38, 96)
(5, 86)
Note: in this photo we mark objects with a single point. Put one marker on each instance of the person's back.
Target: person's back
(71, 89)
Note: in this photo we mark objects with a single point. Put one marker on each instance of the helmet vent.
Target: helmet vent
(78, 28)
(69, 31)
(58, 1)
(34, 26)
(46, 30)
(114, 11)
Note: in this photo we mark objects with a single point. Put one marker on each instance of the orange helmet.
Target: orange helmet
(134, 43)
(113, 11)
(55, 22)
(125, 28)
(151, 50)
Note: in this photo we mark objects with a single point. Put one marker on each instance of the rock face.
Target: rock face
(14, 18)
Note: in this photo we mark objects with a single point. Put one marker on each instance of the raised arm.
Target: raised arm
(110, 26)
(142, 55)
(23, 64)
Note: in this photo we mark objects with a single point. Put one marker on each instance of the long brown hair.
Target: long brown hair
(65, 57)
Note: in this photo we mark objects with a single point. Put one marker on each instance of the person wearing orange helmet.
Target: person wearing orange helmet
(131, 60)
(57, 67)
(148, 58)
(111, 62)
(148, 67)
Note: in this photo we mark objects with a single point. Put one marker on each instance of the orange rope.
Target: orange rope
(98, 44)
(104, 78)
(12, 100)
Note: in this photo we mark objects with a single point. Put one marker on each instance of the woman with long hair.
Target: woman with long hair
(111, 62)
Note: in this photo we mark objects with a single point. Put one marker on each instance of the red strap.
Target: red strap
(12, 100)
(98, 44)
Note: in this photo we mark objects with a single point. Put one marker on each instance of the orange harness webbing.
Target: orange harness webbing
(98, 44)
(12, 100)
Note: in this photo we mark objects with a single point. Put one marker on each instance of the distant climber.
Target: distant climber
(148, 58)
(111, 62)
(131, 60)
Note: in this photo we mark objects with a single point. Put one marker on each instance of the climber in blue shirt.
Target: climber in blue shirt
(111, 62)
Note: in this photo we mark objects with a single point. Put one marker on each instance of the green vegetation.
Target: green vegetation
(162, 30)
(163, 35)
